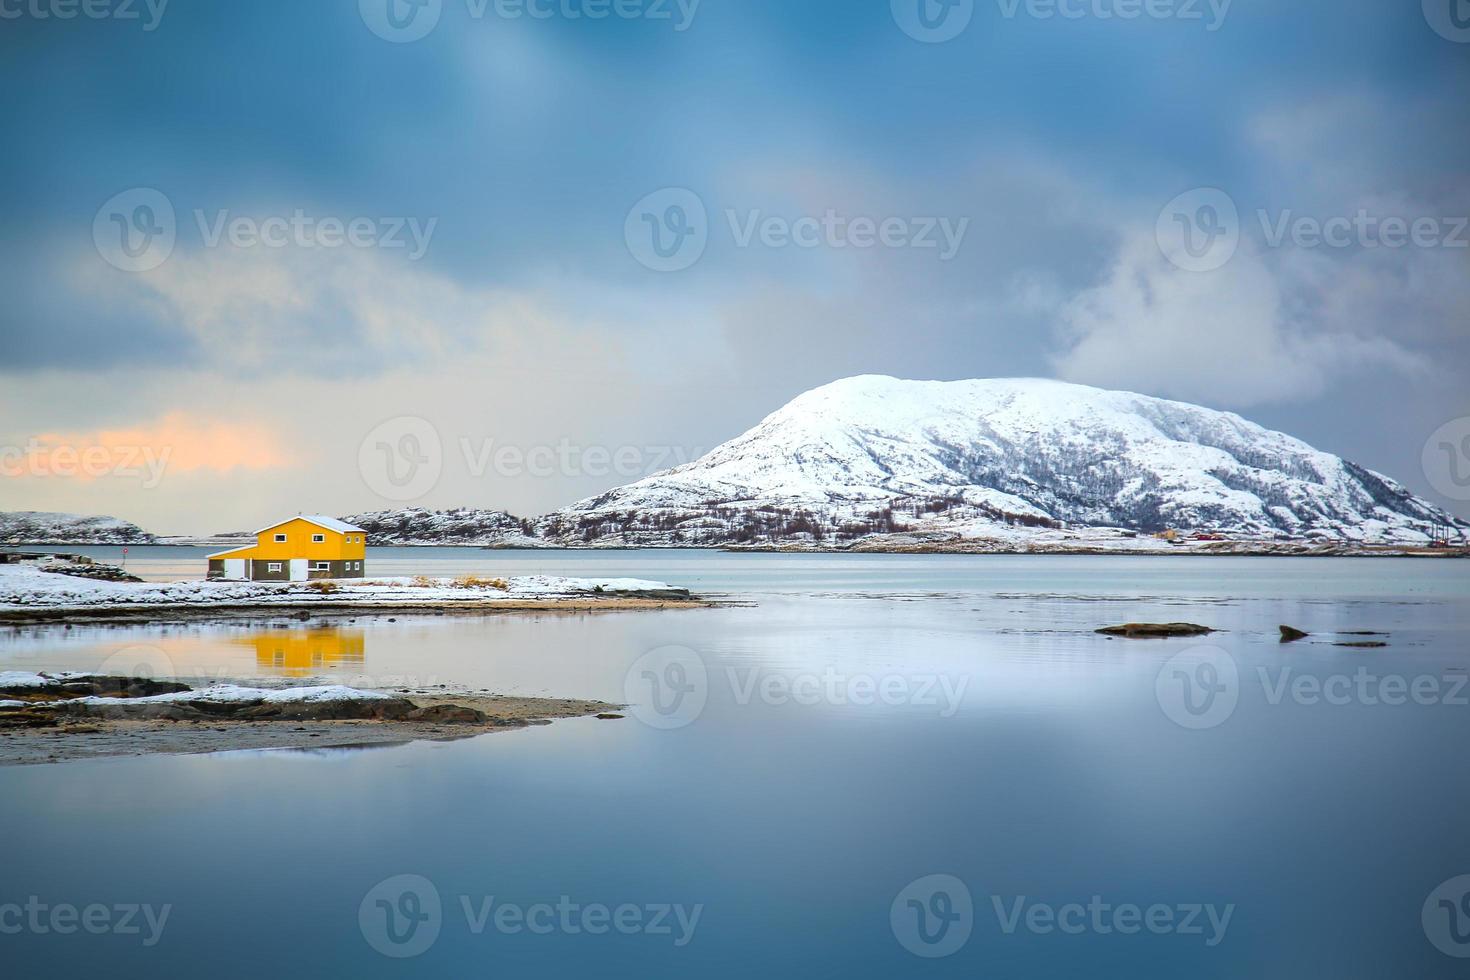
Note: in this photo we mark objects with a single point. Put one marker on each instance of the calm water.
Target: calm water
(793, 772)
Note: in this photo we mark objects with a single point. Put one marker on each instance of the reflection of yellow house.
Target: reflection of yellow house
(303, 548)
(305, 652)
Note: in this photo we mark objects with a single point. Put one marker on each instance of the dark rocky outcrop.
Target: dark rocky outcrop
(1138, 631)
(89, 686)
(448, 714)
(344, 709)
(62, 699)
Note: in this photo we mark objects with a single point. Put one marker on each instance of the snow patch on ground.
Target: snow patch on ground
(230, 694)
(12, 679)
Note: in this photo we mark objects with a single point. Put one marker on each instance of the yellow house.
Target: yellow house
(303, 548)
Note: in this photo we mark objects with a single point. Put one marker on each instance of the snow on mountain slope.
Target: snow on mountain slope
(44, 527)
(976, 458)
(466, 527)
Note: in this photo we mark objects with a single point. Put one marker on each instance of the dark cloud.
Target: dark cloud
(529, 140)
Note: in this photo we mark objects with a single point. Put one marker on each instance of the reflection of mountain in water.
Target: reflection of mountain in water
(299, 653)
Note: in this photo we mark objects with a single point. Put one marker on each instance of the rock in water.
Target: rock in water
(1139, 631)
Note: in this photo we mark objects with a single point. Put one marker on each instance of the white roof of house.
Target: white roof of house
(330, 523)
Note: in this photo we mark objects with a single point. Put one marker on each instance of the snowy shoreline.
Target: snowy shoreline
(28, 594)
(1142, 547)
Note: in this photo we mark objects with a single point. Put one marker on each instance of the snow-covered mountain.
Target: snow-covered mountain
(998, 458)
(1014, 464)
(43, 527)
(465, 526)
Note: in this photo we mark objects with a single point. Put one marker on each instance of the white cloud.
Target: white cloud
(1281, 321)
(322, 312)
(1221, 337)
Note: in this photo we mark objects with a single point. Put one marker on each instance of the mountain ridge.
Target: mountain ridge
(39, 527)
(984, 456)
(1013, 463)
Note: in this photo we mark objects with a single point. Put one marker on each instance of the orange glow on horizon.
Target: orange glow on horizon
(176, 443)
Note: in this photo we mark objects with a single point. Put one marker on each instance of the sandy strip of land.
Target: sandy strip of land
(90, 738)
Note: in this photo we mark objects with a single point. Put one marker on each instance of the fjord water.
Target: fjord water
(867, 722)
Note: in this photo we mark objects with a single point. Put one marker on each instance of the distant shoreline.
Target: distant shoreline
(1228, 550)
(1208, 549)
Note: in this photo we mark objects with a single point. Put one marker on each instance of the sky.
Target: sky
(277, 257)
